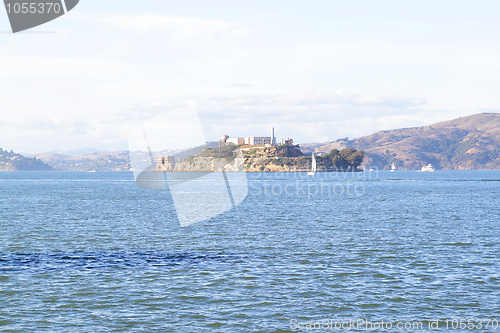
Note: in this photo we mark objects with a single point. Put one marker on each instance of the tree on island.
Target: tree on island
(348, 158)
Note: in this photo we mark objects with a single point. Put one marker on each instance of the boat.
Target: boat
(93, 170)
(313, 167)
(428, 168)
(393, 167)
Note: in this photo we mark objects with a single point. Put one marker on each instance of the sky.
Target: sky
(316, 70)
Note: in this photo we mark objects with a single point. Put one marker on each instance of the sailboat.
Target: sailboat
(313, 167)
(393, 167)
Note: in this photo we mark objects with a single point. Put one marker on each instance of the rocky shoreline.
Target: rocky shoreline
(210, 164)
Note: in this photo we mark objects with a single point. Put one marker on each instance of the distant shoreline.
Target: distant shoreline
(302, 171)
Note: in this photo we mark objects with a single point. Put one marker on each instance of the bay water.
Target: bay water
(93, 252)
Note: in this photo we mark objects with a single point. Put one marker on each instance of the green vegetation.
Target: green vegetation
(449, 145)
(10, 161)
(348, 158)
(453, 149)
(224, 152)
(345, 159)
(284, 151)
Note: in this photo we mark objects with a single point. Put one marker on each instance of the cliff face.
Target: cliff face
(203, 164)
(465, 143)
(207, 164)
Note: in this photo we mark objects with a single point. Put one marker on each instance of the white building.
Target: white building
(258, 140)
(236, 141)
(254, 140)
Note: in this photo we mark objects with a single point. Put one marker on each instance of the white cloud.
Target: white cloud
(184, 26)
(57, 67)
(71, 124)
(316, 74)
(241, 85)
(306, 116)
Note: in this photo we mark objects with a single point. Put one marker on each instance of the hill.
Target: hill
(101, 161)
(10, 161)
(77, 152)
(467, 143)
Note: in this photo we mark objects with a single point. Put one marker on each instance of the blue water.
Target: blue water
(89, 252)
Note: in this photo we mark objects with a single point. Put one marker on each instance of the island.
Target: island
(286, 157)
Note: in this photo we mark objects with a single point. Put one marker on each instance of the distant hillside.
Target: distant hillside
(101, 161)
(466, 143)
(10, 161)
(77, 152)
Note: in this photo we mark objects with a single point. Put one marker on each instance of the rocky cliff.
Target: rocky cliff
(203, 164)
(208, 164)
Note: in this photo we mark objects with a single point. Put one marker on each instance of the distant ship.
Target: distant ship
(313, 167)
(393, 167)
(427, 168)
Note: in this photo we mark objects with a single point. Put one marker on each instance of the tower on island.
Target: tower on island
(273, 139)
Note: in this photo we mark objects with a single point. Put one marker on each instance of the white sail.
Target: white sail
(393, 167)
(313, 166)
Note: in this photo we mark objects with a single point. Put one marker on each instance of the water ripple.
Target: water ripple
(96, 260)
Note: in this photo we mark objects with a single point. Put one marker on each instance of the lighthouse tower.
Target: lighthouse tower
(273, 139)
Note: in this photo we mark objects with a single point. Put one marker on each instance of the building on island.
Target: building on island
(258, 140)
(287, 142)
(254, 140)
(236, 141)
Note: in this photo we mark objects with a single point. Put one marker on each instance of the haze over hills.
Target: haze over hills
(466, 143)
(101, 161)
(78, 152)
